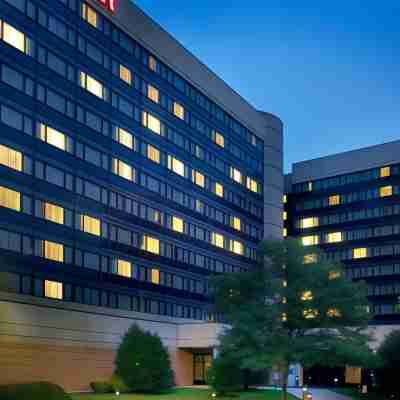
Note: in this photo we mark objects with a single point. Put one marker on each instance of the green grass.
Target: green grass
(356, 395)
(186, 394)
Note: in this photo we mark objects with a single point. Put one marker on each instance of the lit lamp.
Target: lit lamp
(117, 393)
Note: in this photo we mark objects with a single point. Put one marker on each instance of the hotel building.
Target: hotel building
(129, 173)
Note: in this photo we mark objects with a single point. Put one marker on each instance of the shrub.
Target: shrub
(143, 362)
(33, 391)
(101, 387)
(118, 385)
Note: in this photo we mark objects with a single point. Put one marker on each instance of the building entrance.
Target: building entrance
(202, 363)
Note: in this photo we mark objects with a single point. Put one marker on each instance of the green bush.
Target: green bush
(118, 385)
(101, 387)
(143, 362)
(33, 391)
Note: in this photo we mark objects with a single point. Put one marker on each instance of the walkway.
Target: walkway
(320, 394)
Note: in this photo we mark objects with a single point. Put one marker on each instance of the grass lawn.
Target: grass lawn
(356, 395)
(186, 394)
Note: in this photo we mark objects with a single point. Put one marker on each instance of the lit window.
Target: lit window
(334, 237)
(217, 240)
(176, 166)
(219, 189)
(153, 93)
(334, 313)
(150, 244)
(53, 213)
(310, 314)
(198, 178)
(310, 186)
(90, 225)
(360, 252)
(53, 290)
(153, 154)
(14, 37)
(125, 74)
(53, 137)
(10, 158)
(334, 200)
(284, 216)
(310, 240)
(285, 199)
(89, 15)
(285, 284)
(152, 123)
(310, 258)
(385, 172)
(179, 111)
(307, 296)
(53, 251)
(284, 317)
(236, 175)
(123, 170)
(92, 85)
(385, 191)
(125, 138)
(219, 139)
(177, 224)
(252, 185)
(152, 63)
(10, 199)
(311, 222)
(155, 276)
(334, 275)
(124, 268)
(237, 247)
(236, 223)
(284, 233)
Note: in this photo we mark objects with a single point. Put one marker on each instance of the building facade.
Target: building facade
(130, 173)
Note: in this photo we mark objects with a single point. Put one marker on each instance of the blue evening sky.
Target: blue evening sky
(329, 69)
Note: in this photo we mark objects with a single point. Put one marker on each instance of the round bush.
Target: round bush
(101, 387)
(33, 391)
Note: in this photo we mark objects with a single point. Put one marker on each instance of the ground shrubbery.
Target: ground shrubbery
(33, 391)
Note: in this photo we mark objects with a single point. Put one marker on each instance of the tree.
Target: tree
(293, 308)
(143, 362)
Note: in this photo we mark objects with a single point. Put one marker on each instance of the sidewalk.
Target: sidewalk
(319, 394)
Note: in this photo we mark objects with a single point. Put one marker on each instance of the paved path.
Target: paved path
(320, 394)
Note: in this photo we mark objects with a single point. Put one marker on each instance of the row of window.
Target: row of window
(367, 271)
(360, 253)
(384, 290)
(386, 309)
(349, 179)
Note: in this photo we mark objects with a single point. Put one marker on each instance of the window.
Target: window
(334, 275)
(217, 240)
(310, 222)
(284, 232)
(151, 244)
(252, 185)
(284, 199)
(153, 154)
(53, 290)
(334, 200)
(152, 63)
(236, 223)
(360, 252)
(219, 139)
(236, 175)
(155, 276)
(310, 258)
(14, 37)
(219, 189)
(176, 166)
(310, 240)
(152, 123)
(177, 224)
(179, 111)
(284, 215)
(10, 158)
(53, 213)
(124, 268)
(90, 225)
(237, 247)
(385, 191)
(198, 178)
(89, 15)
(10, 199)
(307, 296)
(52, 137)
(334, 237)
(125, 138)
(53, 251)
(310, 314)
(385, 172)
(123, 170)
(310, 186)
(92, 85)
(125, 74)
(334, 313)
(153, 94)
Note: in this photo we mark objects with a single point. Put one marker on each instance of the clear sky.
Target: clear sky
(329, 69)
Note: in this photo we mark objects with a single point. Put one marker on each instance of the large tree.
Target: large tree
(293, 308)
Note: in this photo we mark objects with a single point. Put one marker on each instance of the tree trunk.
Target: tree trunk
(285, 376)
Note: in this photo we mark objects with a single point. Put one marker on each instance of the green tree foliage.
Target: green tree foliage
(288, 310)
(33, 391)
(143, 362)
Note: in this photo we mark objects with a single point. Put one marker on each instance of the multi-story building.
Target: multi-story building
(130, 173)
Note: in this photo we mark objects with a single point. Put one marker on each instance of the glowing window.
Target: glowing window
(91, 85)
(219, 139)
(284, 215)
(176, 166)
(386, 191)
(198, 178)
(236, 175)
(179, 111)
(53, 251)
(237, 247)
(125, 74)
(153, 154)
(311, 222)
(219, 189)
(236, 223)
(334, 313)
(307, 296)
(90, 225)
(153, 93)
(151, 244)
(152, 63)
(10, 199)
(360, 252)
(152, 123)
(310, 186)
(53, 213)
(284, 317)
(177, 224)
(125, 138)
(155, 276)
(252, 185)
(284, 233)
(217, 240)
(123, 170)
(334, 200)
(89, 15)
(310, 240)
(53, 137)
(124, 268)
(53, 290)
(334, 275)
(310, 314)
(285, 199)
(385, 172)
(310, 258)
(10, 158)
(14, 37)
(334, 237)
